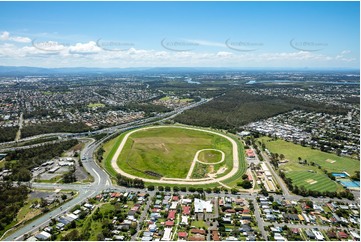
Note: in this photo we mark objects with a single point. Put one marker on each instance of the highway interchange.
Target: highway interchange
(102, 180)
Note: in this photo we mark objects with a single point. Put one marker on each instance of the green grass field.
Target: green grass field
(210, 156)
(168, 151)
(186, 100)
(300, 174)
(293, 151)
(313, 181)
(96, 105)
(166, 98)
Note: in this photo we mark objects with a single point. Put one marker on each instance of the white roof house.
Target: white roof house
(279, 237)
(184, 220)
(318, 235)
(201, 205)
(174, 205)
(167, 234)
(43, 235)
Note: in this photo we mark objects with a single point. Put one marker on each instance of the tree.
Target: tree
(282, 156)
(64, 197)
(191, 189)
(234, 191)
(244, 176)
(69, 177)
(216, 190)
(100, 237)
(23, 175)
(246, 184)
(338, 152)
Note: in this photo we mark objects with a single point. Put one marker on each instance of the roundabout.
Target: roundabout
(175, 155)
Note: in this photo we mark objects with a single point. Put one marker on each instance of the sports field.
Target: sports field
(313, 181)
(168, 152)
(331, 162)
(311, 177)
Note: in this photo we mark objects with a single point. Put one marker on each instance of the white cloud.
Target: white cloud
(21, 39)
(87, 48)
(6, 36)
(90, 54)
(207, 43)
(224, 54)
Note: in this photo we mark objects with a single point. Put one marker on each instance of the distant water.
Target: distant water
(189, 80)
(265, 81)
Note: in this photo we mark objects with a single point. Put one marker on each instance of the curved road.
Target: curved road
(179, 181)
(101, 182)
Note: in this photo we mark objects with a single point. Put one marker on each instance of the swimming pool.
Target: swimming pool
(350, 184)
(339, 175)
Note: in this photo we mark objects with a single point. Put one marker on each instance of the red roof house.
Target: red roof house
(169, 223)
(171, 214)
(182, 235)
(186, 210)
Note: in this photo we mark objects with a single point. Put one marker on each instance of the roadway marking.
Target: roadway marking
(97, 175)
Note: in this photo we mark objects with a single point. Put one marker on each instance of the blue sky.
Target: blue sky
(204, 34)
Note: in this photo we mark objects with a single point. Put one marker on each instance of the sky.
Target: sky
(180, 34)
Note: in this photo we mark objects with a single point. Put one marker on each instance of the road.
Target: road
(259, 219)
(142, 217)
(101, 182)
(21, 121)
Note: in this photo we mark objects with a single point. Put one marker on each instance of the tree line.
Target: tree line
(129, 182)
(54, 127)
(12, 198)
(236, 108)
(8, 133)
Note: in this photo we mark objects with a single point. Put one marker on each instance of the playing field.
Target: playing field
(313, 181)
(331, 162)
(300, 173)
(168, 152)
